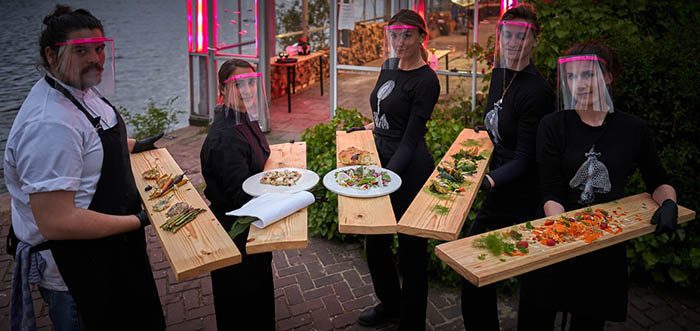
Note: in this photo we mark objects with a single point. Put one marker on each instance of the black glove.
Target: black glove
(485, 185)
(356, 128)
(666, 217)
(143, 218)
(146, 144)
(479, 128)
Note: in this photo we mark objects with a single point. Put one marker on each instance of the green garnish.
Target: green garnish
(482, 257)
(470, 143)
(441, 210)
(529, 226)
(439, 196)
(502, 260)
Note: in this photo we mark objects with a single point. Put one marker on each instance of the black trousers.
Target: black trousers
(408, 298)
(533, 319)
(502, 207)
(244, 294)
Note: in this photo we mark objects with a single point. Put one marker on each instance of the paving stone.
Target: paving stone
(191, 298)
(319, 292)
(315, 270)
(330, 279)
(321, 320)
(293, 295)
(209, 323)
(291, 270)
(433, 315)
(304, 281)
(332, 305)
(190, 325)
(360, 303)
(306, 307)
(667, 325)
(362, 291)
(284, 281)
(344, 320)
(200, 312)
(660, 314)
(639, 317)
(338, 267)
(281, 309)
(294, 322)
(175, 313)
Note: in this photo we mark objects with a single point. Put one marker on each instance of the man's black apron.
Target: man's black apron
(110, 279)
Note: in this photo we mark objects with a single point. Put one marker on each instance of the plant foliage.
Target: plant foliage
(157, 118)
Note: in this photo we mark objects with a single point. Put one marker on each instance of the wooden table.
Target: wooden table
(461, 256)
(440, 53)
(292, 72)
(422, 220)
(202, 245)
(290, 232)
(363, 216)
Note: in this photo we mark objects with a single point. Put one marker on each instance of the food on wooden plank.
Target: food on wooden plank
(151, 174)
(355, 156)
(162, 204)
(177, 208)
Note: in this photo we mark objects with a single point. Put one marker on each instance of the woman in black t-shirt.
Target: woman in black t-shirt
(518, 98)
(402, 102)
(235, 149)
(586, 154)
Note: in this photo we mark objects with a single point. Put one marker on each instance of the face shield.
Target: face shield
(244, 97)
(583, 83)
(87, 63)
(399, 41)
(514, 43)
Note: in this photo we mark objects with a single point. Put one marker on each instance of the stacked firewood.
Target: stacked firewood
(365, 44)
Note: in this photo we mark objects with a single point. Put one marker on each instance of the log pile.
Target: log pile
(365, 44)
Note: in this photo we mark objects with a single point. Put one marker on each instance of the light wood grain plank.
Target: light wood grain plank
(290, 232)
(461, 256)
(363, 216)
(421, 220)
(202, 245)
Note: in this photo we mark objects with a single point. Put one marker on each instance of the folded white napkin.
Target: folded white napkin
(272, 207)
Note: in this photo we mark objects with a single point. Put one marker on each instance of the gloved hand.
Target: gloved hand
(478, 128)
(666, 217)
(356, 128)
(143, 218)
(485, 185)
(146, 144)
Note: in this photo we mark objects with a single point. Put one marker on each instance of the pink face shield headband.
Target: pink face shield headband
(84, 41)
(243, 76)
(518, 23)
(567, 59)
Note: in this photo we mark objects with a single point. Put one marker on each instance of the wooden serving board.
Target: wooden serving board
(421, 218)
(637, 211)
(199, 247)
(290, 232)
(358, 215)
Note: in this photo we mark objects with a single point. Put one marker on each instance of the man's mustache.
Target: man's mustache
(91, 67)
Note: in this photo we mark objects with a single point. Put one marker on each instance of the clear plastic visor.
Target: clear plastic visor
(87, 63)
(400, 41)
(583, 83)
(244, 97)
(515, 41)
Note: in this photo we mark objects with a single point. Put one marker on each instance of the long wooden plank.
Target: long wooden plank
(636, 212)
(422, 219)
(202, 245)
(290, 232)
(363, 216)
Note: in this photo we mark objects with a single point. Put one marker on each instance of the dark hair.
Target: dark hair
(611, 65)
(524, 11)
(60, 23)
(228, 67)
(410, 17)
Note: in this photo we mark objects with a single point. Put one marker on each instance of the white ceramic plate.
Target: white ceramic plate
(333, 186)
(307, 180)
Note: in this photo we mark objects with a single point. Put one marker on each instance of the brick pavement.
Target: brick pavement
(325, 286)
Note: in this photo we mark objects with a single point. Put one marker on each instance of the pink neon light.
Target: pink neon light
(517, 23)
(243, 76)
(581, 58)
(190, 47)
(399, 27)
(85, 41)
(257, 28)
(200, 26)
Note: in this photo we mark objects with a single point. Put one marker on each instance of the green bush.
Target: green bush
(320, 158)
(158, 118)
(658, 47)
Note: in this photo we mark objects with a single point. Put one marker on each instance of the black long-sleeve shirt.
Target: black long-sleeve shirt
(528, 99)
(624, 142)
(406, 107)
(230, 154)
